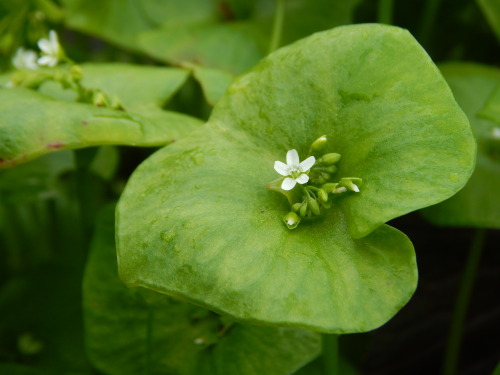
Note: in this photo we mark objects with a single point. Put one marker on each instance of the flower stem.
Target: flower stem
(450, 363)
(330, 354)
(428, 20)
(384, 13)
(279, 15)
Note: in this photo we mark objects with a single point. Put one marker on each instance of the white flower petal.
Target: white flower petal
(302, 179)
(45, 46)
(288, 183)
(282, 168)
(47, 60)
(53, 38)
(292, 158)
(355, 188)
(307, 164)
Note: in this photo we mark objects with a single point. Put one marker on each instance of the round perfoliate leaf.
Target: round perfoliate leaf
(195, 220)
(478, 204)
(135, 331)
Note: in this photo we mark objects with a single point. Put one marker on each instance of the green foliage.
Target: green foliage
(230, 35)
(133, 331)
(491, 10)
(396, 126)
(36, 123)
(477, 204)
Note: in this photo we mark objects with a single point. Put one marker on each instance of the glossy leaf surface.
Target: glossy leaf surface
(133, 331)
(478, 203)
(219, 240)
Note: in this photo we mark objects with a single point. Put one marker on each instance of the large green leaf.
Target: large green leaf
(136, 331)
(32, 124)
(478, 203)
(195, 219)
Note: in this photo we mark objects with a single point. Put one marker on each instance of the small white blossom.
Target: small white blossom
(25, 59)
(293, 170)
(51, 50)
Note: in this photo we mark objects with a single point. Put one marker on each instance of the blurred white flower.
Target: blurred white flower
(25, 59)
(51, 50)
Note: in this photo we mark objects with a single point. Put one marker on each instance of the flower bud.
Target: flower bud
(99, 99)
(76, 72)
(330, 158)
(303, 209)
(351, 183)
(329, 187)
(291, 220)
(296, 207)
(313, 206)
(322, 195)
(330, 169)
(318, 144)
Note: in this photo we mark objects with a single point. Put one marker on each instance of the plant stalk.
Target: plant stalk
(451, 359)
(279, 16)
(330, 354)
(384, 12)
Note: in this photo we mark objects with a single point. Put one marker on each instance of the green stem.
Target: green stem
(428, 21)
(451, 358)
(279, 16)
(330, 354)
(384, 13)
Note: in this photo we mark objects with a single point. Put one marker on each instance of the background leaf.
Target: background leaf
(33, 124)
(478, 203)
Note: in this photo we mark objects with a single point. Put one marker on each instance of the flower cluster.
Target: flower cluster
(52, 54)
(314, 178)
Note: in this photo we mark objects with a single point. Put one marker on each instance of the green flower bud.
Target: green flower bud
(318, 144)
(313, 206)
(116, 103)
(296, 207)
(330, 169)
(327, 204)
(99, 99)
(325, 176)
(291, 220)
(329, 187)
(330, 158)
(351, 183)
(303, 209)
(323, 195)
(76, 72)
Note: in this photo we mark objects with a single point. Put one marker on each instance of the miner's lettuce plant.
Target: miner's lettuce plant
(250, 242)
(390, 122)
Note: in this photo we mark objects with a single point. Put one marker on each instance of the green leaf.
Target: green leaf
(491, 9)
(134, 331)
(118, 21)
(478, 204)
(196, 221)
(214, 82)
(33, 124)
(232, 47)
(491, 109)
(229, 35)
(135, 85)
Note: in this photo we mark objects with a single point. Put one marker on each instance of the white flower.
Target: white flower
(293, 170)
(25, 59)
(51, 50)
